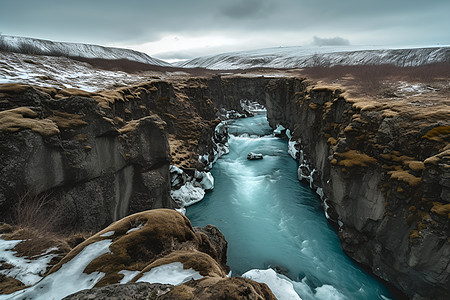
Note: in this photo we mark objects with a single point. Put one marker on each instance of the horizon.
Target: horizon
(179, 30)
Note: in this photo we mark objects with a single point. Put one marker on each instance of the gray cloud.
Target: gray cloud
(278, 22)
(245, 9)
(335, 41)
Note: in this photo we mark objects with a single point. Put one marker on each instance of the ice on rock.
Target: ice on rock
(281, 288)
(292, 150)
(173, 273)
(207, 181)
(69, 279)
(187, 194)
(279, 129)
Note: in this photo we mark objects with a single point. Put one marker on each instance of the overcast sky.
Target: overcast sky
(171, 29)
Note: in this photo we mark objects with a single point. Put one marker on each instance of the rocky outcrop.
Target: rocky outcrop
(129, 291)
(381, 171)
(159, 247)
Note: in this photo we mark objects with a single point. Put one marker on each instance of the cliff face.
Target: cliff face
(92, 158)
(384, 176)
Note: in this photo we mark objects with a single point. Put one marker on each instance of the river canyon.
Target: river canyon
(377, 166)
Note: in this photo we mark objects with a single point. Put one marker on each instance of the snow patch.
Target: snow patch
(109, 233)
(128, 275)
(28, 271)
(173, 273)
(68, 279)
(281, 288)
(139, 227)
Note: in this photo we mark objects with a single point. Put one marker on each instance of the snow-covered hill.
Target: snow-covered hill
(298, 57)
(44, 47)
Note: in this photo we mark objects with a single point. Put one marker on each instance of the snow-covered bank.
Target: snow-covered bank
(26, 270)
(188, 189)
(69, 279)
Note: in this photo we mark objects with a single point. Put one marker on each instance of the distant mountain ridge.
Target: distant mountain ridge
(299, 57)
(44, 47)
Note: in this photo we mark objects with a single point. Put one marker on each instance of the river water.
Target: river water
(271, 220)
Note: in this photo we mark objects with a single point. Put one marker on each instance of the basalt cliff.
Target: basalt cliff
(380, 165)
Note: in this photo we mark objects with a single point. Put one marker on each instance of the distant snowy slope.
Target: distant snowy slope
(44, 47)
(298, 57)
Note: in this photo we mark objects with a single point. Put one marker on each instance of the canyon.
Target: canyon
(379, 163)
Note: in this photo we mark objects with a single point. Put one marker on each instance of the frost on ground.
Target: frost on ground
(68, 279)
(28, 271)
(173, 273)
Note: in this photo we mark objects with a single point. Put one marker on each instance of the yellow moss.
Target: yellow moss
(416, 166)
(80, 138)
(348, 129)
(436, 133)
(406, 177)
(334, 161)
(66, 121)
(414, 234)
(193, 259)
(332, 141)
(313, 106)
(21, 118)
(389, 113)
(434, 160)
(441, 209)
(13, 88)
(395, 156)
(353, 158)
(421, 226)
(72, 92)
(400, 190)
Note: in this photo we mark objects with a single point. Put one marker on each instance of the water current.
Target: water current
(271, 220)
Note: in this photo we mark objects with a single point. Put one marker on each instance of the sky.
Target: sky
(182, 29)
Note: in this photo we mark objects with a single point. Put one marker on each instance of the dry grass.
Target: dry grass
(438, 134)
(406, 177)
(21, 118)
(353, 158)
(66, 121)
(441, 209)
(370, 78)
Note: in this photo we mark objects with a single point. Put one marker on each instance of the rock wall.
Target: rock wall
(382, 176)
